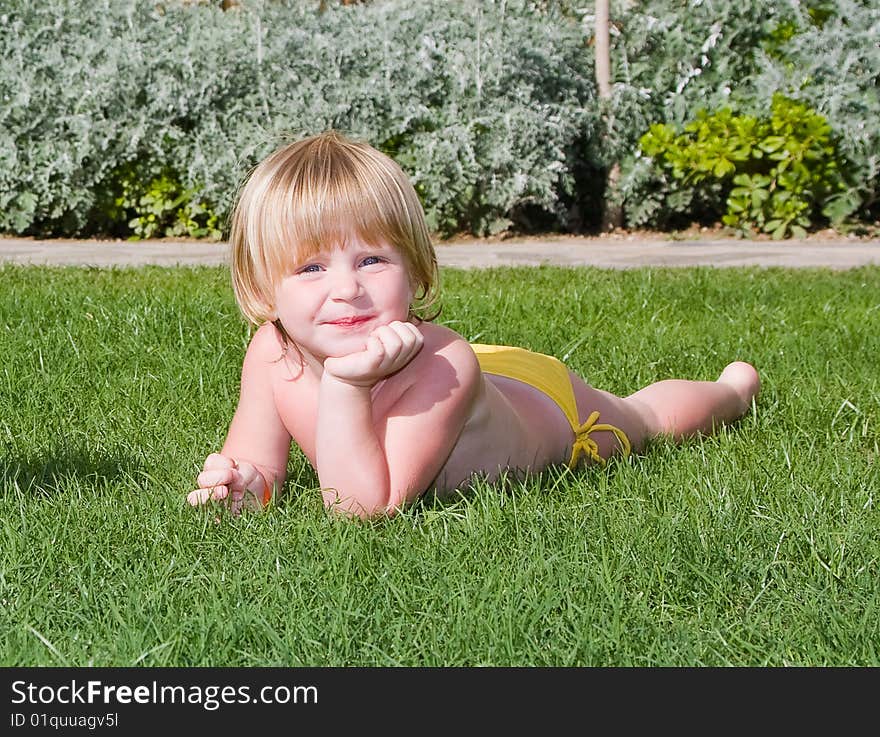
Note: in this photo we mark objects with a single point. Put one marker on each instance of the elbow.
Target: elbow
(355, 508)
(358, 511)
(376, 514)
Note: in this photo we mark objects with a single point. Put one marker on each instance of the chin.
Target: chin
(344, 347)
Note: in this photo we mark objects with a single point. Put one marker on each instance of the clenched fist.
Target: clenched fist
(240, 484)
(389, 348)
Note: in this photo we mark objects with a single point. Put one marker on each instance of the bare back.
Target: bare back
(506, 423)
(512, 426)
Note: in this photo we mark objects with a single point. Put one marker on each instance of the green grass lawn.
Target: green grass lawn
(759, 546)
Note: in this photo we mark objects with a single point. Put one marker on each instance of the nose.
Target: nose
(345, 286)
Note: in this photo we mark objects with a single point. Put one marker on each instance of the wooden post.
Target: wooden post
(612, 215)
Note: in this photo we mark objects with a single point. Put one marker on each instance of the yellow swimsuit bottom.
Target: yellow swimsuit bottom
(549, 376)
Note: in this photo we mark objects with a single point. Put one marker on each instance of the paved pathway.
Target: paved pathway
(619, 252)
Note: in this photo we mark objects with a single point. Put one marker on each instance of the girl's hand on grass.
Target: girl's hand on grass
(389, 348)
(240, 484)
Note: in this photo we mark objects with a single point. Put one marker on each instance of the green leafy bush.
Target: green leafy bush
(832, 63)
(162, 206)
(775, 174)
(673, 57)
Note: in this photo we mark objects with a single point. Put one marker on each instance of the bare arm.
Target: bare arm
(253, 460)
(351, 465)
(370, 464)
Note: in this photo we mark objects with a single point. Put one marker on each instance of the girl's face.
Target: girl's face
(331, 302)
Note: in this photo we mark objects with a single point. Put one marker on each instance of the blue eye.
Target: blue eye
(310, 269)
(370, 260)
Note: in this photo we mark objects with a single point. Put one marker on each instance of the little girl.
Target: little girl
(331, 257)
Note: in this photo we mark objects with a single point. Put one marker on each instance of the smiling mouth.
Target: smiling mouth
(350, 322)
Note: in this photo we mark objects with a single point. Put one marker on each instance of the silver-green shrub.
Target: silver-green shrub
(675, 57)
(489, 106)
(833, 63)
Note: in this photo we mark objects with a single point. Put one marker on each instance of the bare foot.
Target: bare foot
(744, 380)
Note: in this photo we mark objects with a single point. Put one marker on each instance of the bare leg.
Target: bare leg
(675, 407)
(681, 408)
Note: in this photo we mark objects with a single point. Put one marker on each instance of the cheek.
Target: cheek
(405, 292)
(401, 301)
(392, 295)
(293, 299)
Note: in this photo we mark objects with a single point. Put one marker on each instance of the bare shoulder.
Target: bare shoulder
(266, 343)
(447, 358)
(265, 354)
(431, 399)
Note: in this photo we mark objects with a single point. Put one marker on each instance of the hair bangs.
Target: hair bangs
(324, 205)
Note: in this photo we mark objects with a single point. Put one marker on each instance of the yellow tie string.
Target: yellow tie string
(585, 445)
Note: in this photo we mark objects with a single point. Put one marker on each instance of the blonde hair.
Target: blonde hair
(314, 194)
